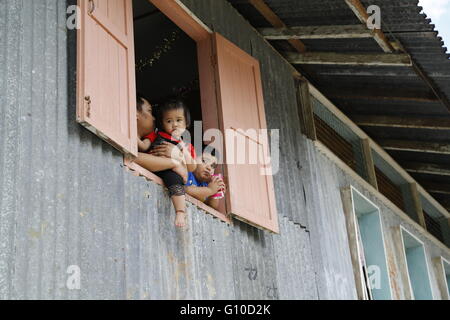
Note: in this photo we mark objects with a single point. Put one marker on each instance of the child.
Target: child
(201, 184)
(172, 121)
(145, 126)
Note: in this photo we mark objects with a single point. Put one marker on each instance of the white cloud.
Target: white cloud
(435, 9)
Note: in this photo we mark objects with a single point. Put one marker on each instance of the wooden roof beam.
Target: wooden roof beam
(427, 168)
(402, 122)
(331, 58)
(275, 21)
(372, 95)
(415, 146)
(317, 32)
(360, 11)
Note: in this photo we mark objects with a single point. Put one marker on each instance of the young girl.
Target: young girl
(173, 119)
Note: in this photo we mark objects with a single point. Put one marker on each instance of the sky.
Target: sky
(439, 12)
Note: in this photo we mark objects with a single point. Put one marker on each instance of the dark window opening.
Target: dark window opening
(389, 189)
(166, 60)
(433, 226)
(335, 142)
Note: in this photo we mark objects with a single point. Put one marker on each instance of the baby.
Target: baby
(173, 119)
(202, 184)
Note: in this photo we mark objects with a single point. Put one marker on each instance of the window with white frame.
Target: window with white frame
(367, 244)
(417, 266)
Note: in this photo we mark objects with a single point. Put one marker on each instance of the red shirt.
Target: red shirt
(152, 137)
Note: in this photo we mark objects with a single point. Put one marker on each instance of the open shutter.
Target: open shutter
(251, 195)
(106, 98)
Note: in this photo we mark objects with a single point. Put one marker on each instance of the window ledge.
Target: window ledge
(137, 170)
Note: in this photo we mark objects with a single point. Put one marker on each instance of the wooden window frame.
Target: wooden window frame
(400, 230)
(443, 284)
(202, 35)
(354, 242)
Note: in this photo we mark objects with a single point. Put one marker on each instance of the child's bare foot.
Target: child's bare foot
(180, 220)
(182, 171)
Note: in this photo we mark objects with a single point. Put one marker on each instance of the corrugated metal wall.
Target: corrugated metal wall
(67, 200)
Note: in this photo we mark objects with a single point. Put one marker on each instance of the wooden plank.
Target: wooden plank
(317, 32)
(417, 204)
(360, 11)
(352, 233)
(179, 14)
(415, 146)
(427, 168)
(305, 111)
(441, 278)
(275, 21)
(368, 163)
(332, 58)
(402, 122)
(374, 94)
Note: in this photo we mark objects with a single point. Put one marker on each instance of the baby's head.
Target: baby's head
(145, 119)
(173, 118)
(206, 166)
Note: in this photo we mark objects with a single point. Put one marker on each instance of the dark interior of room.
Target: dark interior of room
(166, 60)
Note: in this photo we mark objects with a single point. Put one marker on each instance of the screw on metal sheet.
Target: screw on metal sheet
(88, 109)
(252, 272)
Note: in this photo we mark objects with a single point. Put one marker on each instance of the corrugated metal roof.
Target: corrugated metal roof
(402, 20)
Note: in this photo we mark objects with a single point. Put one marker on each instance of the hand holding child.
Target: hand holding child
(168, 150)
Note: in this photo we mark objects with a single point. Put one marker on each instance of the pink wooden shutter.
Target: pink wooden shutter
(251, 195)
(106, 99)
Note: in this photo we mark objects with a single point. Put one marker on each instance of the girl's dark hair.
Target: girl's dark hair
(174, 104)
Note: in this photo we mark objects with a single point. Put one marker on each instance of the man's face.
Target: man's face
(205, 168)
(145, 119)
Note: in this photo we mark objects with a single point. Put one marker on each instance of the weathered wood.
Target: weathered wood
(432, 85)
(368, 59)
(275, 21)
(374, 94)
(368, 163)
(415, 146)
(441, 277)
(402, 266)
(305, 111)
(352, 233)
(427, 168)
(417, 204)
(317, 32)
(360, 11)
(402, 122)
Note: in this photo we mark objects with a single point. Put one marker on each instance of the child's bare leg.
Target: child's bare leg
(181, 170)
(179, 203)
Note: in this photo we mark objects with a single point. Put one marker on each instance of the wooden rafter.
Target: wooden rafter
(427, 168)
(317, 32)
(376, 96)
(275, 21)
(415, 146)
(359, 10)
(402, 122)
(331, 58)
